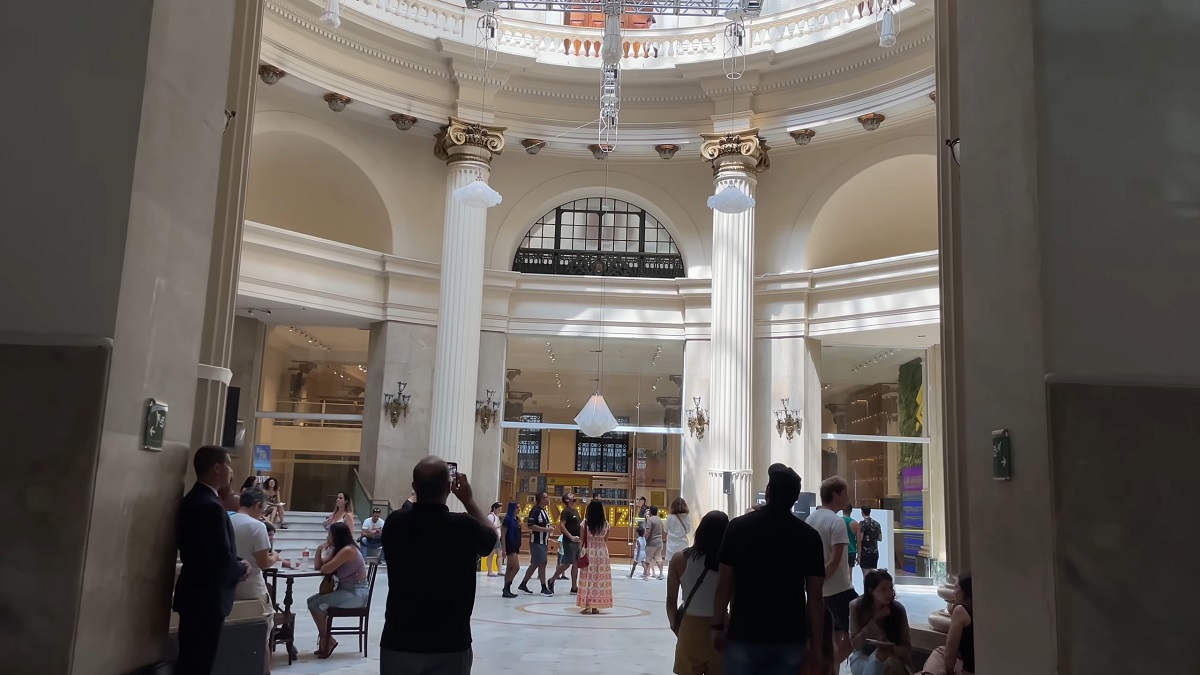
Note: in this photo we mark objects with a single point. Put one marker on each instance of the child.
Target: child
(639, 552)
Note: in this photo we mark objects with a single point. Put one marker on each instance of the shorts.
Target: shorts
(839, 606)
(851, 557)
(568, 553)
(869, 560)
(499, 545)
(538, 553)
(653, 553)
(742, 658)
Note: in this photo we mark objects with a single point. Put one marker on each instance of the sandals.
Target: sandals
(325, 653)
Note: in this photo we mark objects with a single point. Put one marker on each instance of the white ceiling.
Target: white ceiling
(345, 344)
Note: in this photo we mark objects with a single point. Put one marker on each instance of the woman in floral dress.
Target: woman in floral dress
(595, 580)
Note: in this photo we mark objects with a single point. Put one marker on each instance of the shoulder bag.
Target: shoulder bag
(678, 619)
(583, 561)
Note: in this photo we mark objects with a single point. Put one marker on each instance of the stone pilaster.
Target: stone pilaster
(736, 158)
(467, 150)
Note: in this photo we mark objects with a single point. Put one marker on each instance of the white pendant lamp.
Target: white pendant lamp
(596, 419)
(731, 200)
(478, 194)
(888, 26)
(332, 15)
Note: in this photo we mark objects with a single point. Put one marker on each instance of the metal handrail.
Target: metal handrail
(363, 501)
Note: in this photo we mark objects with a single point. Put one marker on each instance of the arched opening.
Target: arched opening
(299, 183)
(599, 236)
(886, 210)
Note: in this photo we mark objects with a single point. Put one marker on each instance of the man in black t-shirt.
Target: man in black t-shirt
(433, 554)
(568, 525)
(539, 535)
(772, 564)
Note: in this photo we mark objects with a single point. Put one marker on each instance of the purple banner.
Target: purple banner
(912, 479)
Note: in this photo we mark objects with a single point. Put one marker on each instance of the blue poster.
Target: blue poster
(262, 458)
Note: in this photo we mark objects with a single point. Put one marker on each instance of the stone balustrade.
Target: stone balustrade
(573, 46)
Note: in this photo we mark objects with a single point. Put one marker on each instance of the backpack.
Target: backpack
(871, 532)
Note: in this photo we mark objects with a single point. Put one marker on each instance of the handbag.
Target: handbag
(327, 585)
(677, 620)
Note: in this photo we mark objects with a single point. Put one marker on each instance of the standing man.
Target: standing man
(253, 543)
(852, 534)
(770, 559)
(835, 540)
(656, 541)
(568, 526)
(869, 534)
(211, 568)
(539, 535)
(427, 625)
(372, 534)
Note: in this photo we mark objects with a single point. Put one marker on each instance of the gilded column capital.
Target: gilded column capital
(736, 149)
(468, 141)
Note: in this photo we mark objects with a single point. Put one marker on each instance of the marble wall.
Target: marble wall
(697, 369)
(485, 464)
(397, 352)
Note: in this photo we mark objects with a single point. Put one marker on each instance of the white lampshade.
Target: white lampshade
(596, 419)
(887, 29)
(478, 194)
(731, 200)
(332, 15)
(610, 50)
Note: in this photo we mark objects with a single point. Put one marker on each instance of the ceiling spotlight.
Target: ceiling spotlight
(871, 121)
(337, 102)
(802, 136)
(270, 74)
(403, 122)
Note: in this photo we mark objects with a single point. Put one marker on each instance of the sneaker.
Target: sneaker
(549, 586)
(508, 594)
(524, 589)
(547, 592)
(493, 574)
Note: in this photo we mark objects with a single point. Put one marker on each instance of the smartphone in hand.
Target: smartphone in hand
(453, 473)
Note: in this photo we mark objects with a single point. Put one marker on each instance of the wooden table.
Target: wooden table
(290, 576)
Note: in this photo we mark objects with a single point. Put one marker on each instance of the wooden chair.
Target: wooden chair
(284, 629)
(363, 614)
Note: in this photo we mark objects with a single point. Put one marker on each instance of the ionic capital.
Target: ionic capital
(739, 150)
(468, 141)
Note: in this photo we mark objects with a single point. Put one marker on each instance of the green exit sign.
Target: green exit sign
(1001, 455)
(154, 425)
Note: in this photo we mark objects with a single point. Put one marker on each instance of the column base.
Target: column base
(940, 620)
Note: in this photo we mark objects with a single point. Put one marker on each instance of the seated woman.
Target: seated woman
(958, 656)
(879, 633)
(274, 512)
(338, 556)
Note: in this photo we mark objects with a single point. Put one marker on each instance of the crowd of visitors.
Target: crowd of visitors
(724, 590)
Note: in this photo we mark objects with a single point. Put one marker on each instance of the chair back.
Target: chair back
(271, 578)
(371, 570)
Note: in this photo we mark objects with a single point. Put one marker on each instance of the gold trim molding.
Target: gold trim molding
(460, 135)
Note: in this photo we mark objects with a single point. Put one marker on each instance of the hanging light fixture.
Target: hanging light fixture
(332, 15)
(887, 24)
(731, 200)
(596, 419)
(478, 194)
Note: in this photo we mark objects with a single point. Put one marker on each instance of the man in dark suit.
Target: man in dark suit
(211, 568)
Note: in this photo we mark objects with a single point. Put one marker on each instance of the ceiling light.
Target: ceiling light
(337, 102)
(888, 25)
(596, 419)
(332, 15)
(871, 121)
(478, 194)
(731, 200)
(403, 122)
(802, 136)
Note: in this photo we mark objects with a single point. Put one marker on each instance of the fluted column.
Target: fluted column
(467, 150)
(736, 158)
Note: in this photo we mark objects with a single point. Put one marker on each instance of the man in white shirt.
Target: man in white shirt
(372, 535)
(254, 546)
(839, 585)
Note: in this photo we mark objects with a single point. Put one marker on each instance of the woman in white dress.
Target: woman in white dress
(679, 526)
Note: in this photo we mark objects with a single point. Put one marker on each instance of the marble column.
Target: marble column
(811, 465)
(467, 150)
(397, 352)
(246, 365)
(736, 158)
(216, 339)
(485, 464)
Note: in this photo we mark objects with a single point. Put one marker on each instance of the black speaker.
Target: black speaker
(229, 429)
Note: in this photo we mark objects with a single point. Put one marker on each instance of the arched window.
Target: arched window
(600, 236)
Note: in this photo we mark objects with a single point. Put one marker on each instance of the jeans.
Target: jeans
(745, 658)
(408, 663)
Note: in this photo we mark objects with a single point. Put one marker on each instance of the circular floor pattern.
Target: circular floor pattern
(558, 609)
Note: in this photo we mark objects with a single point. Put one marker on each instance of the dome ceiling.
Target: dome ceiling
(817, 66)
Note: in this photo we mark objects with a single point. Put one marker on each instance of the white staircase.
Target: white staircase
(304, 530)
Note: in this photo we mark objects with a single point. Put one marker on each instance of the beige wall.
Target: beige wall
(398, 170)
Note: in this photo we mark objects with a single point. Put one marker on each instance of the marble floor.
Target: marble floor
(533, 633)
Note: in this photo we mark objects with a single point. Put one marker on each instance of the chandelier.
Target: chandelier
(787, 420)
(697, 419)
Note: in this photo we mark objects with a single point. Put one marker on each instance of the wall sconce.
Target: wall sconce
(802, 136)
(666, 150)
(533, 145)
(955, 145)
(600, 151)
(485, 411)
(270, 74)
(396, 404)
(402, 122)
(697, 419)
(871, 121)
(337, 102)
(787, 420)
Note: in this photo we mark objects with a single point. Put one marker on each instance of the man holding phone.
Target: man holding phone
(427, 626)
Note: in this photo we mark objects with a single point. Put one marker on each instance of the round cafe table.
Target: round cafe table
(290, 576)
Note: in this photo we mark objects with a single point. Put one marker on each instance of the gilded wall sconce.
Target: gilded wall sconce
(485, 411)
(787, 421)
(697, 419)
(396, 404)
